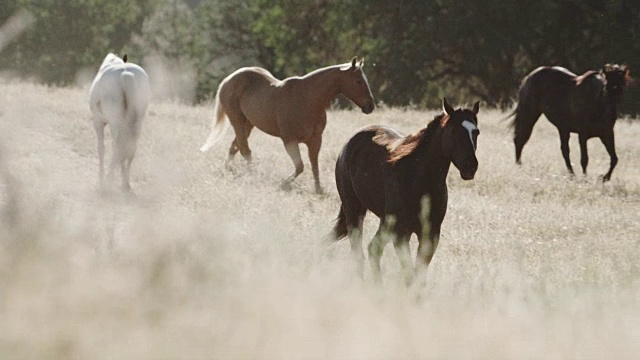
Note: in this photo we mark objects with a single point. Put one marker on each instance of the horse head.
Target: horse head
(354, 85)
(460, 139)
(617, 78)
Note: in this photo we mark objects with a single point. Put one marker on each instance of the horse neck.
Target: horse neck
(324, 83)
(430, 166)
(610, 107)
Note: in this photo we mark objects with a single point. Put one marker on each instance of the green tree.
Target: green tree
(68, 35)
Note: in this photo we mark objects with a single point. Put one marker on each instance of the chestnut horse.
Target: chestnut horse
(293, 109)
(402, 180)
(585, 104)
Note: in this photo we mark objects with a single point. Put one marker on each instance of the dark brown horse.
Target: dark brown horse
(585, 104)
(293, 109)
(391, 175)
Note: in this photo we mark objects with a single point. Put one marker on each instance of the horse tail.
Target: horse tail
(340, 230)
(528, 110)
(218, 125)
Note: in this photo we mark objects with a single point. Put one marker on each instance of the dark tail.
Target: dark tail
(526, 112)
(340, 230)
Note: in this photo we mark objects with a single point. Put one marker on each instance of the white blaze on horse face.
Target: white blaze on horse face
(471, 127)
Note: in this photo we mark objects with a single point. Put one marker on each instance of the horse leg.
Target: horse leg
(126, 171)
(233, 150)
(314, 150)
(355, 240)
(584, 155)
(564, 147)
(117, 152)
(129, 144)
(99, 127)
(401, 245)
(523, 124)
(351, 216)
(426, 249)
(239, 123)
(376, 247)
(294, 153)
(610, 144)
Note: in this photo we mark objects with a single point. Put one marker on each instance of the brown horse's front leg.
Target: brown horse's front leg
(294, 152)
(564, 147)
(314, 150)
(426, 249)
(401, 245)
(610, 144)
(376, 247)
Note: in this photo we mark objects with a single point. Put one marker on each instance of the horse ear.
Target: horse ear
(361, 62)
(476, 107)
(446, 107)
(124, 58)
(627, 76)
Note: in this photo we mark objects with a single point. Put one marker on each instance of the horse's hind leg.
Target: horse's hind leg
(564, 147)
(524, 122)
(126, 172)
(584, 155)
(233, 150)
(99, 127)
(242, 127)
(293, 149)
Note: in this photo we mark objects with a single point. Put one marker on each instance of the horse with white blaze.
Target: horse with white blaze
(119, 97)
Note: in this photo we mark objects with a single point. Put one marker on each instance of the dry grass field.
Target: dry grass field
(208, 263)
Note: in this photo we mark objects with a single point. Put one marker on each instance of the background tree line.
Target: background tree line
(416, 50)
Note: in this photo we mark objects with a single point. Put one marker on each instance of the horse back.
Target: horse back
(252, 92)
(363, 167)
(545, 90)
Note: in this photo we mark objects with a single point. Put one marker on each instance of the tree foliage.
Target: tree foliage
(416, 50)
(71, 34)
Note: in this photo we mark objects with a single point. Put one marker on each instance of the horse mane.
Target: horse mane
(111, 59)
(401, 148)
(581, 78)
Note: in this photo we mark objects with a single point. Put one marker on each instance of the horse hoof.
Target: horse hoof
(319, 190)
(286, 186)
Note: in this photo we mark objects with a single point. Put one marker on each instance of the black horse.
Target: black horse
(390, 175)
(585, 104)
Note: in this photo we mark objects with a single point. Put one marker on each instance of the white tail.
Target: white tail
(218, 126)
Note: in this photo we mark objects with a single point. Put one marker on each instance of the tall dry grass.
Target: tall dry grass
(209, 263)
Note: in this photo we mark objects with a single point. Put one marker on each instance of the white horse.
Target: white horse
(119, 97)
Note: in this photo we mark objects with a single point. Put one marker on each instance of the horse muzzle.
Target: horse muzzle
(368, 108)
(467, 175)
